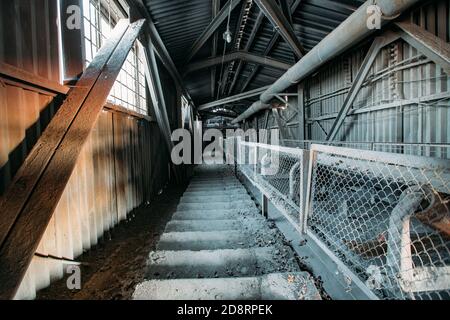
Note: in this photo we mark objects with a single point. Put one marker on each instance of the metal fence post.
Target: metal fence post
(264, 206)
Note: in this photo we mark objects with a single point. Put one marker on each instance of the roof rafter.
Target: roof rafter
(212, 28)
(281, 24)
(238, 55)
(272, 42)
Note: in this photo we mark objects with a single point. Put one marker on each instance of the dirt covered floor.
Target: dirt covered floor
(118, 263)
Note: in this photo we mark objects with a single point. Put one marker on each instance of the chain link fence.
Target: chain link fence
(385, 217)
(278, 172)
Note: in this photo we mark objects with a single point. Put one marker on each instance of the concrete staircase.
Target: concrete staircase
(218, 247)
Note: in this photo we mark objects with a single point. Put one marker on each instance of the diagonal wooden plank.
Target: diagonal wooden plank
(23, 239)
(27, 176)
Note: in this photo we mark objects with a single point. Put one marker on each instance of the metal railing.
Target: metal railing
(384, 218)
(434, 150)
(279, 173)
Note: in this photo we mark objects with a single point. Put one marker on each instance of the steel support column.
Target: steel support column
(301, 111)
(158, 100)
(215, 12)
(160, 48)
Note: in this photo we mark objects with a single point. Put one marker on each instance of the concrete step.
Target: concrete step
(214, 180)
(216, 205)
(228, 185)
(205, 240)
(201, 225)
(228, 180)
(215, 198)
(277, 286)
(222, 188)
(213, 263)
(212, 176)
(212, 214)
(204, 214)
(205, 225)
(230, 193)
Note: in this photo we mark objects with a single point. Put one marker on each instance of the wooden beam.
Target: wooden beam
(27, 176)
(57, 159)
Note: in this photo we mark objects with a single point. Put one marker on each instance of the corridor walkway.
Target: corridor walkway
(218, 246)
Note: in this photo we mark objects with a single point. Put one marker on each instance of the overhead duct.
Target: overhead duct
(351, 31)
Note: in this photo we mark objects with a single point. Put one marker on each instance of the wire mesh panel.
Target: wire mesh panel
(280, 173)
(384, 216)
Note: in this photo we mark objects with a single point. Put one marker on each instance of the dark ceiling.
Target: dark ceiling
(181, 22)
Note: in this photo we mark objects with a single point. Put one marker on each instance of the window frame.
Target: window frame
(130, 88)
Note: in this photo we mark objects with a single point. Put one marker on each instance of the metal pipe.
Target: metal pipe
(241, 96)
(349, 32)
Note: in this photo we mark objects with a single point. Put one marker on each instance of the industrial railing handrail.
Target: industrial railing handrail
(348, 178)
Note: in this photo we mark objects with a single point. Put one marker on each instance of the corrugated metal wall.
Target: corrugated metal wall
(115, 174)
(29, 42)
(406, 98)
(29, 36)
(122, 166)
(24, 114)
